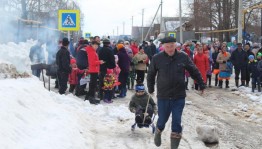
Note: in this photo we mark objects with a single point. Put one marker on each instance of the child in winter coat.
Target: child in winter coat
(253, 70)
(73, 76)
(138, 106)
(259, 66)
(109, 84)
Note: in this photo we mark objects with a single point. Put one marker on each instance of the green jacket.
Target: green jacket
(141, 101)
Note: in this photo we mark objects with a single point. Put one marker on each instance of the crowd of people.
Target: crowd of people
(127, 62)
(111, 68)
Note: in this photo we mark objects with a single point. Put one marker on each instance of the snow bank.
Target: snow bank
(32, 117)
(17, 54)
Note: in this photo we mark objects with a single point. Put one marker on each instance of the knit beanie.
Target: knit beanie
(120, 46)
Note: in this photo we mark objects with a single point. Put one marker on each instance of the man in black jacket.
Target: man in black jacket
(247, 48)
(169, 67)
(105, 54)
(239, 59)
(63, 63)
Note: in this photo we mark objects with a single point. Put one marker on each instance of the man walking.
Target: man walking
(63, 63)
(169, 67)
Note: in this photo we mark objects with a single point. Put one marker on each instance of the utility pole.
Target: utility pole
(240, 9)
(180, 20)
(161, 11)
(261, 29)
(123, 28)
(142, 25)
(117, 32)
(132, 26)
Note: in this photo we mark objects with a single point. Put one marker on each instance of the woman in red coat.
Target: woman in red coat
(202, 63)
(93, 70)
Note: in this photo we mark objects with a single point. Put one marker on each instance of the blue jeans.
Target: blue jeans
(165, 107)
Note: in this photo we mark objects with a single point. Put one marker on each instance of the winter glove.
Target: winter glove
(133, 110)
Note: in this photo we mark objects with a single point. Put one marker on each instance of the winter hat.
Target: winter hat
(65, 42)
(109, 71)
(250, 57)
(140, 87)
(178, 44)
(106, 41)
(72, 61)
(259, 54)
(168, 40)
(120, 46)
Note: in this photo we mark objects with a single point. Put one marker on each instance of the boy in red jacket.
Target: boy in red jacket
(73, 79)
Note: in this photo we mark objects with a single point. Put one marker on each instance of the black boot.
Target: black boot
(227, 83)
(259, 88)
(196, 86)
(247, 83)
(220, 83)
(186, 84)
(253, 87)
(237, 83)
(242, 83)
(216, 82)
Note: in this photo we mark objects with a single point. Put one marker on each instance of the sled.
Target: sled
(143, 125)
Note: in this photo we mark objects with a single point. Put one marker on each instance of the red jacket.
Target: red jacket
(93, 60)
(73, 79)
(202, 63)
(134, 48)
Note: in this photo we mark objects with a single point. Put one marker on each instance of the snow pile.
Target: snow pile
(246, 92)
(208, 134)
(17, 54)
(9, 71)
(32, 117)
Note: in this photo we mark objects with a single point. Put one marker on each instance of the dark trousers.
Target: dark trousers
(101, 84)
(72, 88)
(247, 76)
(62, 80)
(209, 79)
(108, 95)
(256, 80)
(123, 79)
(165, 108)
(140, 75)
(92, 84)
(242, 71)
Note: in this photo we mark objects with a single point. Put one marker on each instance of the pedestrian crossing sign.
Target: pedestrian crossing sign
(68, 20)
(87, 35)
(172, 34)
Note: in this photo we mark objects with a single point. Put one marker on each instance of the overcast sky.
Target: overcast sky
(103, 16)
